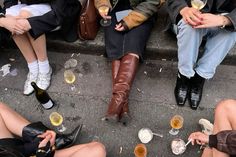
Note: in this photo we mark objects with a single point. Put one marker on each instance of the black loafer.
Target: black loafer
(181, 89)
(196, 89)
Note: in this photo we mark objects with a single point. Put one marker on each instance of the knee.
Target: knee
(185, 27)
(2, 106)
(98, 149)
(226, 107)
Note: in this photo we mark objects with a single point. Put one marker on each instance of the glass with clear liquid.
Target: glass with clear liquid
(56, 120)
(104, 10)
(198, 4)
(176, 123)
(69, 76)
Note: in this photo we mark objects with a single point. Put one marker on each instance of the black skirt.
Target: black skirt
(18, 147)
(10, 146)
(118, 44)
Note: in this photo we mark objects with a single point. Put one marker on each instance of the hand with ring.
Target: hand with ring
(191, 16)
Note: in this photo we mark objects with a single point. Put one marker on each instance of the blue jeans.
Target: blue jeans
(218, 44)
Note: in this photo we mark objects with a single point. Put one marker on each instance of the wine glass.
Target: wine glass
(69, 76)
(198, 4)
(104, 11)
(56, 120)
(176, 123)
(140, 150)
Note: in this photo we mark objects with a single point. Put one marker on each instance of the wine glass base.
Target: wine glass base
(105, 23)
(173, 132)
(62, 129)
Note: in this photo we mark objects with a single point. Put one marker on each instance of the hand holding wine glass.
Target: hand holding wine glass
(103, 11)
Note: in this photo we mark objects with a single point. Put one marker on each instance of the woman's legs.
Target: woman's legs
(122, 86)
(93, 149)
(224, 120)
(11, 122)
(35, 53)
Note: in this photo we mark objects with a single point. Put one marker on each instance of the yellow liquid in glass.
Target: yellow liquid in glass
(56, 119)
(176, 122)
(198, 4)
(103, 9)
(69, 76)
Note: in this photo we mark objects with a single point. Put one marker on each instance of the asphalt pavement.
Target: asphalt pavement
(152, 101)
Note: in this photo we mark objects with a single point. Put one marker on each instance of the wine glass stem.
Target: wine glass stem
(61, 128)
(174, 131)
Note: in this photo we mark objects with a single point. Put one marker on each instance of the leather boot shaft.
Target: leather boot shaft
(31, 131)
(115, 68)
(122, 86)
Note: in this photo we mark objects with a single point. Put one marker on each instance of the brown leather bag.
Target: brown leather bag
(88, 24)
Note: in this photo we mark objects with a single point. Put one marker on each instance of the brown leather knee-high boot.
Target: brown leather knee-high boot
(124, 115)
(121, 86)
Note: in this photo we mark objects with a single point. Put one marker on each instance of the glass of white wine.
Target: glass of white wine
(198, 4)
(69, 76)
(56, 120)
(104, 11)
(176, 123)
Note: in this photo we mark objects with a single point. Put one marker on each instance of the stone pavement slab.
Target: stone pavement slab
(152, 102)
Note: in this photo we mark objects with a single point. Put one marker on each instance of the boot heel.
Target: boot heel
(125, 118)
(112, 118)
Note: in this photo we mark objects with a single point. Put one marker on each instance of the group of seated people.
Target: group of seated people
(29, 20)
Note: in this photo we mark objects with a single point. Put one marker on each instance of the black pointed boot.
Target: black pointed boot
(181, 89)
(31, 131)
(67, 140)
(196, 85)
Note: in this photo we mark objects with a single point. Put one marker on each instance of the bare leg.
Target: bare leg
(11, 122)
(39, 46)
(207, 152)
(23, 43)
(93, 149)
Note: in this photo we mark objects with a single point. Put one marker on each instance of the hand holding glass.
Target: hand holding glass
(198, 4)
(176, 123)
(103, 10)
(56, 120)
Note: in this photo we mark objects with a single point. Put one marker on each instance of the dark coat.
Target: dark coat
(64, 13)
(4, 34)
(213, 6)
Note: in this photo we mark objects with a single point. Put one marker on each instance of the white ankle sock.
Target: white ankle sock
(33, 67)
(44, 66)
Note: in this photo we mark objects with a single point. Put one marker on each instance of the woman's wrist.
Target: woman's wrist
(224, 21)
